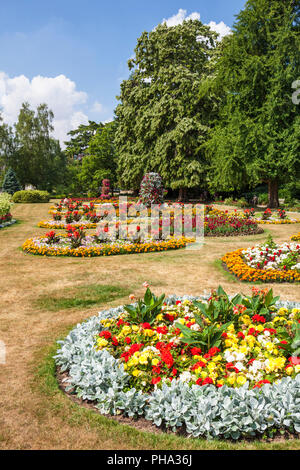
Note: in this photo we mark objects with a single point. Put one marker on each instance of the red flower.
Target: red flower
(207, 380)
(162, 330)
(146, 326)
(198, 364)
(213, 351)
(260, 383)
(240, 335)
(169, 317)
(174, 371)
(106, 334)
(294, 360)
(195, 351)
(127, 340)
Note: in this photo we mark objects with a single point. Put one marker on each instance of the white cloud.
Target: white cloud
(59, 93)
(221, 28)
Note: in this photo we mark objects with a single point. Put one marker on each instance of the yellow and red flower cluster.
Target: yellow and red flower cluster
(252, 349)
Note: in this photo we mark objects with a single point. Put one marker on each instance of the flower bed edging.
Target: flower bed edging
(296, 237)
(204, 411)
(7, 224)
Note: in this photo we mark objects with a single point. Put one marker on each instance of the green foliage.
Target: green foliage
(145, 310)
(10, 184)
(166, 107)
(5, 204)
(37, 159)
(100, 161)
(257, 137)
(31, 196)
(260, 304)
(80, 139)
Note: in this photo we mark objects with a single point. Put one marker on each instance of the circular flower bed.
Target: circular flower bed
(267, 262)
(213, 366)
(80, 245)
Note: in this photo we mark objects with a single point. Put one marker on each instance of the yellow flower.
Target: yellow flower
(101, 342)
(155, 361)
(143, 359)
(231, 379)
(241, 379)
(136, 372)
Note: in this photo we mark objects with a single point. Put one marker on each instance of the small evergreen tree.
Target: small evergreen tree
(10, 183)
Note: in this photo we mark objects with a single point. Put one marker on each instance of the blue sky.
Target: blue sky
(73, 54)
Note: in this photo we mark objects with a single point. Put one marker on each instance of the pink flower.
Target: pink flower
(132, 297)
(146, 285)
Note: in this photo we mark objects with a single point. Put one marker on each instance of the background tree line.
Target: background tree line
(208, 116)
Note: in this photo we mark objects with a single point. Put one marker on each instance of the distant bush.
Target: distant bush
(32, 195)
(242, 202)
(229, 201)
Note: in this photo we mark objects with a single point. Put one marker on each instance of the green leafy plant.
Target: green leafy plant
(145, 310)
(209, 336)
(260, 303)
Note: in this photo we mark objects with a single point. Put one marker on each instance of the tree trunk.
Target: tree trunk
(182, 197)
(273, 194)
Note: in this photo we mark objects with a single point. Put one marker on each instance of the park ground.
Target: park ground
(38, 307)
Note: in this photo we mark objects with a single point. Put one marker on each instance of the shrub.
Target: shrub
(229, 201)
(10, 183)
(151, 191)
(31, 196)
(5, 203)
(263, 198)
(242, 203)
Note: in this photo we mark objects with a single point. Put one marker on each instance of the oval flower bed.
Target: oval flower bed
(76, 243)
(214, 366)
(267, 262)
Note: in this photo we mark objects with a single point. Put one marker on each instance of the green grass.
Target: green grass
(81, 296)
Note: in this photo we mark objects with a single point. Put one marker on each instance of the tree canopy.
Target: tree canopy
(257, 136)
(164, 114)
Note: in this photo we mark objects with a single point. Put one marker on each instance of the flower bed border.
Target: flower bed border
(62, 226)
(30, 247)
(207, 411)
(234, 263)
(296, 237)
(8, 224)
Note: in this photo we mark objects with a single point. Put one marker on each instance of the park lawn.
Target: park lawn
(34, 413)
